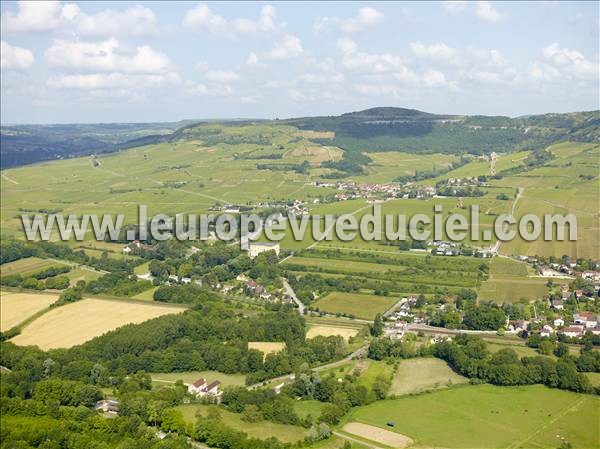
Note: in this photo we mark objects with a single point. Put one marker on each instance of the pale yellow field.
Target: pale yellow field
(17, 307)
(267, 347)
(327, 331)
(81, 321)
(377, 434)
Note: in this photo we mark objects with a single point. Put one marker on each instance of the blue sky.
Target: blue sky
(68, 62)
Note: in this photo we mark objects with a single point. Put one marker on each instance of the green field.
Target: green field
(594, 378)
(190, 377)
(423, 374)
(509, 282)
(359, 305)
(28, 266)
(262, 430)
(486, 416)
(147, 295)
(308, 407)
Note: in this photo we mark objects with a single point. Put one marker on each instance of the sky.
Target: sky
(90, 62)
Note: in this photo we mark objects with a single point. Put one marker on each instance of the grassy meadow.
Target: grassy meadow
(262, 430)
(360, 305)
(486, 416)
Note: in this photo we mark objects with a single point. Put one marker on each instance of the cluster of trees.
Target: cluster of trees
(12, 250)
(464, 191)
(214, 337)
(33, 283)
(467, 314)
(118, 284)
(468, 356)
(308, 286)
(62, 385)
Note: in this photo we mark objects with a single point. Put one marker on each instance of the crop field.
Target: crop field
(513, 289)
(17, 307)
(398, 272)
(189, 377)
(328, 331)
(266, 347)
(486, 416)
(78, 322)
(387, 166)
(26, 267)
(359, 305)
(262, 430)
(509, 282)
(559, 187)
(377, 434)
(423, 374)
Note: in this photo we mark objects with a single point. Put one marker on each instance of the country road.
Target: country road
(496, 248)
(292, 294)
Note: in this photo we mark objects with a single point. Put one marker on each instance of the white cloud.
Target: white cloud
(366, 17)
(222, 76)
(322, 72)
(436, 52)
(434, 78)
(455, 6)
(346, 45)
(362, 62)
(485, 11)
(202, 18)
(564, 64)
(33, 16)
(113, 80)
(15, 58)
(252, 60)
(136, 21)
(106, 56)
(288, 47)
(52, 15)
(203, 90)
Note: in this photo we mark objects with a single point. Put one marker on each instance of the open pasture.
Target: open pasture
(17, 307)
(423, 374)
(189, 377)
(78, 322)
(486, 416)
(262, 429)
(360, 305)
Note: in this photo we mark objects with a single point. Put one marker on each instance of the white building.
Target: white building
(201, 388)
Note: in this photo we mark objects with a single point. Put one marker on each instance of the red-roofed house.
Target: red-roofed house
(201, 388)
(197, 387)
